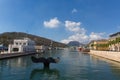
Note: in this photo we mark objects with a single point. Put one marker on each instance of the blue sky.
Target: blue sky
(61, 20)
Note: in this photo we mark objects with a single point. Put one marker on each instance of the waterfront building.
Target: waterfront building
(22, 45)
(41, 48)
(91, 45)
(3, 48)
(114, 42)
(99, 44)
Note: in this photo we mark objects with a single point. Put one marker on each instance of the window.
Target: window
(16, 43)
(20, 43)
(15, 49)
(24, 43)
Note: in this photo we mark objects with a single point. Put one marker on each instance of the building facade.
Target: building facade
(114, 42)
(41, 48)
(99, 44)
(22, 45)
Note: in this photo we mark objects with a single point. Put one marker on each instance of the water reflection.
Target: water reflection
(44, 74)
(15, 63)
(113, 65)
(14, 68)
(72, 66)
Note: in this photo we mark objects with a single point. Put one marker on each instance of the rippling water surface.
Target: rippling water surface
(72, 66)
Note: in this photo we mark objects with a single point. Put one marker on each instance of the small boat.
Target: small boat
(84, 49)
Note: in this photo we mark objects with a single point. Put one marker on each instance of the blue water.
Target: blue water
(72, 66)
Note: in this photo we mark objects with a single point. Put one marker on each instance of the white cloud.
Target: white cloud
(74, 27)
(84, 38)
(96, 36)
(66, 41)
(52, 23)
(74, 10)
(79, 33)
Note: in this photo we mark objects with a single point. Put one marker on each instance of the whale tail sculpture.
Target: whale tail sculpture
(45, 61)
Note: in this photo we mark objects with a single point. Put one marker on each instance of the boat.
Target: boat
(84, 49)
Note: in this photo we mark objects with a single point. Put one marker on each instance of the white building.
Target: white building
(22, 45)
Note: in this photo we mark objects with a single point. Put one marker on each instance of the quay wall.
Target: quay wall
(12, 55)
(115, 56)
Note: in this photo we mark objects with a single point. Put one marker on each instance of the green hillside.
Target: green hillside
(8, 37)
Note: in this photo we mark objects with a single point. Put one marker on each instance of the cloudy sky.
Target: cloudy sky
(61, 20)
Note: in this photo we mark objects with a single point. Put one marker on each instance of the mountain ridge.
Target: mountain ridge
(7, 38)
(74, 43)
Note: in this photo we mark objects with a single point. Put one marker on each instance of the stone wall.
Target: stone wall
(107, 54)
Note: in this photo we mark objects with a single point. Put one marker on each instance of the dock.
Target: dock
(13, 55)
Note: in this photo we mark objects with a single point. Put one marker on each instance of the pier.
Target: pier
(13, 55)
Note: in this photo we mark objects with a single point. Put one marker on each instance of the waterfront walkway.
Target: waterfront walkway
(12, 55)
(115, 56)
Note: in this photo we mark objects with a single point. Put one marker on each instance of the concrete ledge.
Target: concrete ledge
(12, 55)
(115, 56)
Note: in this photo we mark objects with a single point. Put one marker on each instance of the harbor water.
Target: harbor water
(72, 66)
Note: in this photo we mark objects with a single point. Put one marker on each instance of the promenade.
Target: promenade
(12, 55)
(115, 56)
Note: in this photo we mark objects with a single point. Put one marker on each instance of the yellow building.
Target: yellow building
(99, 44)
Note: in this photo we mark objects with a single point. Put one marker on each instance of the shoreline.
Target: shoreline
(13, 55)
(114, 56)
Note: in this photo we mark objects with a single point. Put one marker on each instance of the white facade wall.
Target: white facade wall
(23, 45)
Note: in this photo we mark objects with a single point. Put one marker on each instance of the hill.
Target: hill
(74, 43)
(8, 37)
